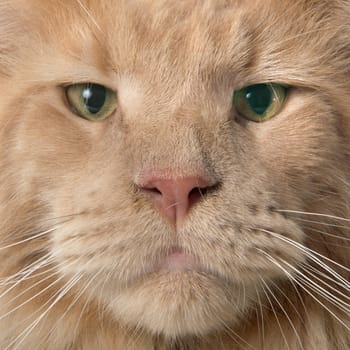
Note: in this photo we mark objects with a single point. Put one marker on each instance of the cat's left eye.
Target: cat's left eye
(91, 101)
(260, 102)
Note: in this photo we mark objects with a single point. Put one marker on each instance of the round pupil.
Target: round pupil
(259, 98)
(94, 97)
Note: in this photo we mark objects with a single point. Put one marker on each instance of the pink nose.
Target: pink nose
(174, 197)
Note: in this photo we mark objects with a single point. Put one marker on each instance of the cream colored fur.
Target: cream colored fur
(79, 244)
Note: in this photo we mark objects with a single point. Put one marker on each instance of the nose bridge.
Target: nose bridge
(175, 145)
(171, 122)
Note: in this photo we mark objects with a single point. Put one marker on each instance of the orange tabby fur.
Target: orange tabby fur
(77, 239)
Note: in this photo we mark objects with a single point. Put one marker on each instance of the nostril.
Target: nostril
(151, 190)
(198, 193)
(195, 195)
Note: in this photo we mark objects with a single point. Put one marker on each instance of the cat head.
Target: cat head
(139, 161)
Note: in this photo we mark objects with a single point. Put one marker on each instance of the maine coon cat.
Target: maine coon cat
(174, 174)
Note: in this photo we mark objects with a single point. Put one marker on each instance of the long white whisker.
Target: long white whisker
(312, 214)
(303, 280)
(31, 298)
(286, 297)
(300, 284)
(26, 271)
(25, 277)
(283, 310)
(311, 229)
(320, 290)
(312, 255)
(262, 340)
(308, 270)
(84, 306)
(276, 316)
(75, 300)
(321, 223)
(40, 234)
(32, 286)
(57, 297)
(324, 275)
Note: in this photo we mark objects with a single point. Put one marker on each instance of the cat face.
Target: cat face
(170, 208)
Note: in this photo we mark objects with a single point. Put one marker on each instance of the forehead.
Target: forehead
(165, 39)
(126, 28)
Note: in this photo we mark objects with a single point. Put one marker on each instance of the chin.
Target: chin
(180, 303)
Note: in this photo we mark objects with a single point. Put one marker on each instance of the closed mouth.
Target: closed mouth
(177, 260)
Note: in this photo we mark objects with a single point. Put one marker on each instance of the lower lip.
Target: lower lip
(178, 261)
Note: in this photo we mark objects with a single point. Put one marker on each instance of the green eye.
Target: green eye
(91, 101)
(260, 102)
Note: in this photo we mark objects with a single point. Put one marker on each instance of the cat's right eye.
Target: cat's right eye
(91, 101)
